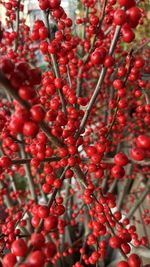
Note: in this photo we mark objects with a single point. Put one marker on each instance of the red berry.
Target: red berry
(127, 3)
(5, 161)
(143, 141)
(128, 35)
(134, 14)
(115, 242)
(37, 240)
(117, 171)
(49, 250)
(44, 4)
(137, 154)
(134, 260)
(121, 159)
(9, 260)
(43, 212)
(37, 113)
(30, 128)
(98, 56)
(50, 222)
(36, 258)
(54, 3)
(120, 17)
(19, 248)
(26, 92)
(123, 264)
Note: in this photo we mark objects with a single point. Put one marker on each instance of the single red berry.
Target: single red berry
(30, 128)
(115, 242)
(54, 3)
(9, 260)
(26, 92)
(37, 113)
(121, 159)
(143, 141)
(37, 240)
(98, 56)
(123, 264)
(137, 154)
(44, 4)
(134, 14)
(117, 172)
(19, 248)
(50, 222)
(36, 258)
(128, 35)
(134, 260)
(120, 17)
(5, 161)
(43, 212)
(49, 250)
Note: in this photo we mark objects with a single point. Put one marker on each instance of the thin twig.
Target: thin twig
(138, 202)
(54, 63)
(17, 25)
(99, 84)
(27, 160)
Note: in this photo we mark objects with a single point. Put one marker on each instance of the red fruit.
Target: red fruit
(59, 210)
(44, 47)
(120, 17)
(50, 222)
(123, 264)
(121, 159)
(58, 83)
(109, 61)
(5, 161)
(118, 84)
(15, 125)
(96, 158)
(36, 258)
(37, 240)
(19, 248)
(49, 250)
(137, 154)
(98, 56)
(43, 212)
(35, 221)
(134, 261)
(38, 23)
(125, 248)
(43, 33)
(35, 35)
(26, 92)
(134, 14)
(117, 171)
(7, 66)
(37, 113)
(143, 141)
(90, 150)
(30, 128)
(127, 3)
(128, 35)
(115, 242)
(54, 3)
(9, 260)
(43, 4)
(35, 76)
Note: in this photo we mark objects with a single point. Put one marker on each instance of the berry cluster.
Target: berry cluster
(74, 136)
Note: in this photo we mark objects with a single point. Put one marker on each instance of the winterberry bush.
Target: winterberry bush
(74, 135)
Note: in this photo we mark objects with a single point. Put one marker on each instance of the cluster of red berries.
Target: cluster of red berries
(76, 125)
